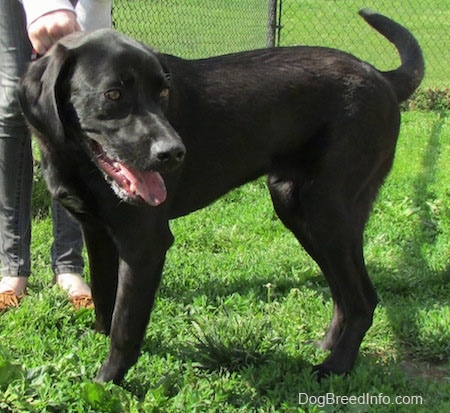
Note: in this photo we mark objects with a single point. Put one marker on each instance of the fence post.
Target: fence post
(272, 23)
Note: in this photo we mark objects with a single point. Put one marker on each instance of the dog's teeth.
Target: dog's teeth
(133, 188)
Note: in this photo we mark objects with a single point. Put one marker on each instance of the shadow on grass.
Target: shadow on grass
(428, 292)
(274, 380)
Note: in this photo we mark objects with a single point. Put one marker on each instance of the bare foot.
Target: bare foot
(78, 291)
(12, 289)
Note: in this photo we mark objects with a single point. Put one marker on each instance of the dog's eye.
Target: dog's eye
(164, 93)
(113, 94)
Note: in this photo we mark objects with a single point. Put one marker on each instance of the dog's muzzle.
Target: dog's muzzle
(132, 184)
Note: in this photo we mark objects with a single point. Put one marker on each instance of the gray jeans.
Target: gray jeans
(16, 172)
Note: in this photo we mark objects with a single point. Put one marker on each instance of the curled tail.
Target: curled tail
(406, 78)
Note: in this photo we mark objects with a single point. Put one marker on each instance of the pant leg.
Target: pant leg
(16, 174)
(68, 242)
(15, 145)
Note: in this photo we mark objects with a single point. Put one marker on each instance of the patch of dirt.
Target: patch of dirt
(428, 371)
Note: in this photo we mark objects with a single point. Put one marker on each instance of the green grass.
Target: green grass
(240, 300)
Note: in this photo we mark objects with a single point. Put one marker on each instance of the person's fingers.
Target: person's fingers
(40, 41)
(51, 27)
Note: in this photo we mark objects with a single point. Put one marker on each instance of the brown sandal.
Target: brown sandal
(82, 301)
(9, 299)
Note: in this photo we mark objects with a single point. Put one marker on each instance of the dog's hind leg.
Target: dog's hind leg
(325, 203)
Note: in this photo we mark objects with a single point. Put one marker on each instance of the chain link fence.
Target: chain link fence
(201, 28)
(194, 28)
(335, 23)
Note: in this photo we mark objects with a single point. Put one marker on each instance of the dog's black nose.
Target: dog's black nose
(174, 155)
(167, 156)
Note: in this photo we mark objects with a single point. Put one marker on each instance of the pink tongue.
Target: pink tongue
(149, 185)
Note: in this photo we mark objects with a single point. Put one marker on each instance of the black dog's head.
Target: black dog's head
(106, 94)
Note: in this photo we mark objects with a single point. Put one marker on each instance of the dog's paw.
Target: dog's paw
(324, 370)
(320, 372)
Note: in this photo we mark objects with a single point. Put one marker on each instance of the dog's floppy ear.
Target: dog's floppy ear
(40, 90)
(161, 59)
(164, 66)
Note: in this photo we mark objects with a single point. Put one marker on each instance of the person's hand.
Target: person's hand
(49, 28)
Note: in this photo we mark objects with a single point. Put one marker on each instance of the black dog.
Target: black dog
(131, 138)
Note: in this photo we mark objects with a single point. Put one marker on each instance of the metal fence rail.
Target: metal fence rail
(201, 28)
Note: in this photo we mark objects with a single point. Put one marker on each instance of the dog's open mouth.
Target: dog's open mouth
(132, 184)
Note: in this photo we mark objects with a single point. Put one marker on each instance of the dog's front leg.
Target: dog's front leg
(139, 277)
(103, 266)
